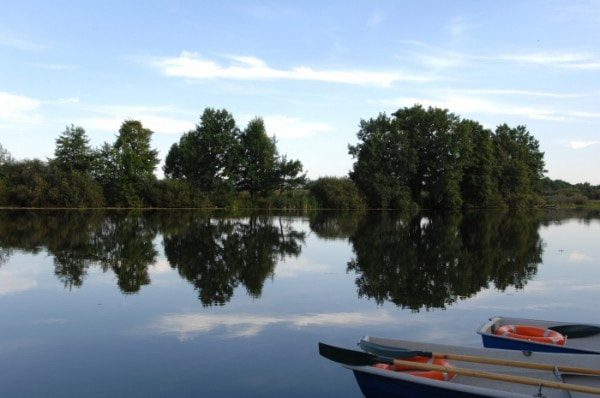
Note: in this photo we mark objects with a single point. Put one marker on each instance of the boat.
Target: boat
(498, 332)
(475, 372)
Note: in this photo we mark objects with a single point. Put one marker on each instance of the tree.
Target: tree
(384, 163)
(5, 160)
(26, 183)
(258, 168)
(5, 156)
(206, 156)
(438, 148)
(124, 168)
(290, 174)
(520, 165)
(478, 186)
(72, 152)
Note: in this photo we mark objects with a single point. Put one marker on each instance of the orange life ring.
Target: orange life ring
(532, 333)
(430, 374)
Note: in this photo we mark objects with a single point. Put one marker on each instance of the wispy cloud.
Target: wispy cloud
(579, 257)
(158, 124)
(19, 108)
(292, 127)
(18, 279)
(581, 61)
(375, 19)
(526, 93)
(463, 105)
(187, 326)
(458, 27)
(295, 267)
(54, 66)
(192, 66)
(156, 118)
(10, 40)
(581, 144)
(436, 57)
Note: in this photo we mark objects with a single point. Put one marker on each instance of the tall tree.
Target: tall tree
(520, 165)
(128, 164)
(72, 152)
(258, 167)
(384, 163)
(206, 156)
(438, 145)
(478, 186)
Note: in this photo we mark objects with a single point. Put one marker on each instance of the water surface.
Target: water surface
(188, 303)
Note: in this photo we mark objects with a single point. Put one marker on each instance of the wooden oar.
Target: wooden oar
(576, 331)
(357, 358)
(399, 353)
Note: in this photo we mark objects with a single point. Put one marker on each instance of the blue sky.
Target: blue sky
(311, 69)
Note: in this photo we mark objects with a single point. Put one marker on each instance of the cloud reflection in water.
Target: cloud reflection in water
(188, 326)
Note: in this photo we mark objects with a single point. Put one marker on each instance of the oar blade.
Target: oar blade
(576, 331)
(392, 352)
(350, 357)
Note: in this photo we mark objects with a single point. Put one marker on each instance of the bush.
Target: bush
(337, 193)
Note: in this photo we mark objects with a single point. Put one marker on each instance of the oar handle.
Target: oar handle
(519, 364)
(498, 376)
(400, 353)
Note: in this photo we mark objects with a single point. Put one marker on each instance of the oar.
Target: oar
(576, 331)
(357, 358)
(399, 353)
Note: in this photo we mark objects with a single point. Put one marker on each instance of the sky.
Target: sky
(312, 70)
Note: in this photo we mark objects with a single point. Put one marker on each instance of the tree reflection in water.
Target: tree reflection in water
(416, 262)
(216, 255)
(429, 262)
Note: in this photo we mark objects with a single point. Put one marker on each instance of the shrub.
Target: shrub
(336, 193)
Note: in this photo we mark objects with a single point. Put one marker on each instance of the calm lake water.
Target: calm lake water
(190, 304)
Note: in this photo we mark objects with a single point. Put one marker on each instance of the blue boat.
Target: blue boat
(480, 372)
(575, 338)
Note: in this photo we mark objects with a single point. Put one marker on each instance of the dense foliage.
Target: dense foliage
(432, 158)
(214, 165)
(417, 157)
(337, 193)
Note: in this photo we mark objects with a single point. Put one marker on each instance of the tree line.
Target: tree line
(210, 166)
(415, 158)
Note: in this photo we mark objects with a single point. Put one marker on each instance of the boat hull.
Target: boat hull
(375, 382)
(378, 385)
(589, 345)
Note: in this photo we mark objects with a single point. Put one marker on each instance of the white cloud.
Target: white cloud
(291, 127)
(187, 326)
(157, 124)
(462, 105)
(162, 266)
(151, 117)
(16, 280)
(590, 115)
(581, 144)
(579, 257)
(527, 93)
(18, 107)
(295, 267)
(580, 61)
(192, 66)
